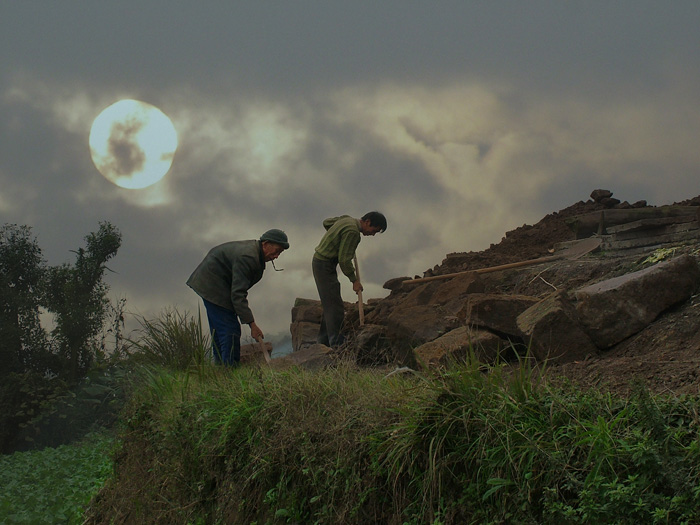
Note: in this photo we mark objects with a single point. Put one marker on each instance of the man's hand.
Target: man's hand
(357, 286)
(256, 332)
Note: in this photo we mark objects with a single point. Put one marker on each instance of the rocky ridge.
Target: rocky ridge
(625, 312)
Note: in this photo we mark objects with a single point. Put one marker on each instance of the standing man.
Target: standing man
(223, 279)
(337, 247)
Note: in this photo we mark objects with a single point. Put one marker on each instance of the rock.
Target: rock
(443, 292)
(617, 308)
(496, 312)
(420, 295)
(598, 195)
(304, 334)
(300, 301)
(452, 294)
(251, 353)
(313, 357)
(419, 324)
(457, 344)
(413, 326)
(609, 202)
(307, 310)
(371, 345)
(395, 284)
(553, 331)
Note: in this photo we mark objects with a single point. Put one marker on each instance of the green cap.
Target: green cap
(276, 236)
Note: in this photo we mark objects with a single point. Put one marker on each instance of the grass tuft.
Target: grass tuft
(174, 340)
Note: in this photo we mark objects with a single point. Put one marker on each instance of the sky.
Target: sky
(459, 120)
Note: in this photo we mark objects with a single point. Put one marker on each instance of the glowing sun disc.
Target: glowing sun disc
(133, 144)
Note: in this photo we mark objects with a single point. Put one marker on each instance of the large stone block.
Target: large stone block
(457, 345)
(312, 357)
(496, 312)
(303, 334)
(419, 324)
(371, 344)
(443, 292)
(420, 295)
(615, 309)
(307, 311)
(252, 353)
(552, 330)
(452, 294)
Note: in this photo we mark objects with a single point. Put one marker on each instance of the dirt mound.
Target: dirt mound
(532, 241)
(665, 356)
(645, 330)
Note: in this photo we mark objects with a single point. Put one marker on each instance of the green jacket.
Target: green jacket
(340, 242)
(227, 273)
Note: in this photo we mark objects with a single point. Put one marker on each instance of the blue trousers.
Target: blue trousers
(225, 334)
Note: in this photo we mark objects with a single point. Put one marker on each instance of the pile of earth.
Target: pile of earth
(532, 241)
(664, 355)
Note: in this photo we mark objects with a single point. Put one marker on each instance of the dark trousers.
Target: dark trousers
(328, 286)
(225, 334)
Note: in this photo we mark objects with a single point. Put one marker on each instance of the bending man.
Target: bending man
(223, 279)
(337, 248)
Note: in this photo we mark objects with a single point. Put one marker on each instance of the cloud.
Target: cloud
(459, 123)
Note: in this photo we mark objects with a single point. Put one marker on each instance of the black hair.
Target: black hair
(375, 219)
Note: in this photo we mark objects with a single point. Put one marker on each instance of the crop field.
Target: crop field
(53, 485)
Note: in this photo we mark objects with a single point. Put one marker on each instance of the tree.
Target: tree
(22, 269)
(77, 296)
(36, 368)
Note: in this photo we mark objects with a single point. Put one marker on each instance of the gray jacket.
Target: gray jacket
(227, 273)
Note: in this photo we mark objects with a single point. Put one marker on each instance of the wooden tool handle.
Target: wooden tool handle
(485, 270)
(577, 250)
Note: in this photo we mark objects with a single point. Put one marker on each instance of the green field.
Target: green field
(53, 485)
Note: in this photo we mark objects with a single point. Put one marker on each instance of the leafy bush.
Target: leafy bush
(23, 397)
(69, 414)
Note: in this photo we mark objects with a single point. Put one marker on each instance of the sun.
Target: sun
(133, 143)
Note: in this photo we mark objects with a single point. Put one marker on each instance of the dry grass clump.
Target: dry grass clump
(174, 340)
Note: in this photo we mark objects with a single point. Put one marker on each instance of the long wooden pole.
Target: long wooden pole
(359, 295)
(576, 251)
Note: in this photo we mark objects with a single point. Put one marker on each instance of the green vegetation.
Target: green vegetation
(343, 445)
(471, 444)
(175, 340)
(53, 485)
(39, 366)
(202, 444)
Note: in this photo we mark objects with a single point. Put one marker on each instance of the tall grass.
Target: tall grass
(494, 448)
(174, 340)
(467, 445)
